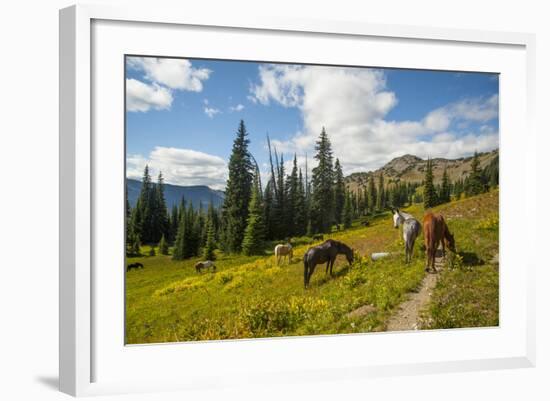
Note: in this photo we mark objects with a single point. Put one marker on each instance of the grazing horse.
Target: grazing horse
(134, 266)
(436, 232)
(205, 265)
(283, 250)
(324, 253)
(411, 230)
(318, 237)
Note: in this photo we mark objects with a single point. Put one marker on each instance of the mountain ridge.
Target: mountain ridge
(173, 194)
(411, 168)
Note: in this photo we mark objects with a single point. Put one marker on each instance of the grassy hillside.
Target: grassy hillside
(252, 297)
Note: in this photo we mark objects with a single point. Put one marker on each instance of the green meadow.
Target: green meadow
(251, 297)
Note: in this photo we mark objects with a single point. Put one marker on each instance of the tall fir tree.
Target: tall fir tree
(146, 202)
(210, 246)
(372, 194)
(347, 214)
(174, 221)
(237, 192)
(339, 191)
(163, 246)
(430, 195)
(445, 192)
(292, 189)
(475, 184)
(300, 208)
(159, 212)
(254, 234)
(322, 196)
(381, 195)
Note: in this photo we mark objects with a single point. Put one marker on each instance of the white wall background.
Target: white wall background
(29, 196)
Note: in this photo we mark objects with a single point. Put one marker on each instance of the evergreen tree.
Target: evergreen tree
(136, 221)
(430, 195)
(322, 197)
(163, 246)
(180, 241)
(300, 208)
(159, 217)
(491, 172)
(372, 194)
(347, 215)
(292, 189)
(238, 192)
(475, 184)
(128, 216)
(146, 201)
(136, 245)
(254, 234)
(174, 221)
(339, 191)
(210, 246)
(269, 198)
(445, 193)
(380, 199)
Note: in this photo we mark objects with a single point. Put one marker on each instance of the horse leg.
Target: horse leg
(428, 258)
(306, 274)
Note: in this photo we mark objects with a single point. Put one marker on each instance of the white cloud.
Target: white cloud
(238, 107)
(353, 104)
(211, 111)
(180, 167)
(142, 97)
(172, 73)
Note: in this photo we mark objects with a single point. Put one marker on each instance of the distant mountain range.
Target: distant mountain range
(173, 194)
(409, 168)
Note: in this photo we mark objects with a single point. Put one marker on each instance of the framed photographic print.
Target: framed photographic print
(338, 201)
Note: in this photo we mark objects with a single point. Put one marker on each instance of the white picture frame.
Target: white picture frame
(90, 364)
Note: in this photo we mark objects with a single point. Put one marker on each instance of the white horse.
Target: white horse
(411, 230)
(283, 250)
(207, 264)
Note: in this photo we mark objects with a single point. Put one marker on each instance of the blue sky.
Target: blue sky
(181, 114)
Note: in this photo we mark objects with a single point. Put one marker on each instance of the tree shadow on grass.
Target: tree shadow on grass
(471, 259)
(335, 274)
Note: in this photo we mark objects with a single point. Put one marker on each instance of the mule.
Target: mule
(283, 250)
(324, 253)
(411, 230)
(436, 232)
(207, 264)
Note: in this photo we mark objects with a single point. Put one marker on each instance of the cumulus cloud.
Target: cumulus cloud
(172, 73)
(143, 97)
(353, 105)
(238, 107)
(180, 167)
(211, 111)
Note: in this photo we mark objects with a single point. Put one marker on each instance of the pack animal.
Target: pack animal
(207, 264)
(283, 250)
(436, 232)
(411, 230)
(134, 266)
(324, 253)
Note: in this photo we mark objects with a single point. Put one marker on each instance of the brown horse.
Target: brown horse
(436, 232)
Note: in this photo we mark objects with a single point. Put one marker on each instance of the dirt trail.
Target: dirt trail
(408, 313)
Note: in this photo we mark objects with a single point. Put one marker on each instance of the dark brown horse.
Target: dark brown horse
(324, 253)
(436, 232)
